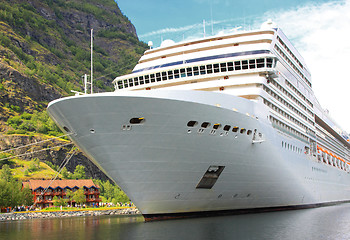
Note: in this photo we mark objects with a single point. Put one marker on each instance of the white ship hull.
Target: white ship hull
(160, 162)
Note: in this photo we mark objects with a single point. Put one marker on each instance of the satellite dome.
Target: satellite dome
(167, 43)
(269, 24)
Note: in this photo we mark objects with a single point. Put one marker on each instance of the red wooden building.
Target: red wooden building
(58, 188)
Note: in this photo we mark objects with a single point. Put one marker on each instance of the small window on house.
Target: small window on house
(138, 120)
(192, 123)
(205, 124)
(235, 129)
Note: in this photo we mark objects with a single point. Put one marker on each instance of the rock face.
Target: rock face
(54, 155)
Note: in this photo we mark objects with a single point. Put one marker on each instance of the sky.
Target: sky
(320, 30)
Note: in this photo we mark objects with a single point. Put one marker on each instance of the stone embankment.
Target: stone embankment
(59, 214)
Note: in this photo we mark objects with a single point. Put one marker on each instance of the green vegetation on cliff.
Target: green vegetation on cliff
(45, 45)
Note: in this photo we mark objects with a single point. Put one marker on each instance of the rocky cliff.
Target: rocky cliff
(44, 51)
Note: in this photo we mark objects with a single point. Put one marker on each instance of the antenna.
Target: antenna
(204, 27)
(92, 48)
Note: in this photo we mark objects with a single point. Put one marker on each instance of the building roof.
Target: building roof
(70, 183)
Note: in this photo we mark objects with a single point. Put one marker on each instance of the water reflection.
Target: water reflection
(320, 223)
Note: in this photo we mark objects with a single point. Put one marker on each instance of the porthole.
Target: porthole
(192, 123)
(249, 132)
(235, 129)
(138, 120)
(205, 124)
(227, 128)
(92, 130)
(216, 126)
(66, 129)
(243, 130)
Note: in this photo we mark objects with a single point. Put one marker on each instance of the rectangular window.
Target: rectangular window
(183, 72)
(223, 67)
(136, 81)
(202, 70)
(269, 62)
(195, 71)
(131, 83)
(252, 63)
(260, 62)
(126, 83)
(216, 68)
(209, 68)
(176, 73)
(164, 76)
(141, 80)
(230, 66)
(189, 72)
(170, 74)
(152, 78)
(146, 78)
(158, 78)
(238, 65)
(245, 64)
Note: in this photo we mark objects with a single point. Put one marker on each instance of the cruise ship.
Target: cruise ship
(218, 125)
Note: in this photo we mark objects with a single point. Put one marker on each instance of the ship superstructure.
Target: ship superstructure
(223, 123)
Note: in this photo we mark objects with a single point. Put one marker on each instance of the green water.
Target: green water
(319, 223)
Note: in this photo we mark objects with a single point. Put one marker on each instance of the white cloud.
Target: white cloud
(321, 33)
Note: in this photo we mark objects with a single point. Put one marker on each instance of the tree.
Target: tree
(69, 195)
(79, 196)
(65, 173)
(79, 172)
(57, 201)
(5, 173)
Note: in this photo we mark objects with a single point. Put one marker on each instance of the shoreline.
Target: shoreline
(14, 216)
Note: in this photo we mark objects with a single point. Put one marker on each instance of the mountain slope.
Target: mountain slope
(45, 50)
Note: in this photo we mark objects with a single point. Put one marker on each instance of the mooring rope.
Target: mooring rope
(31, 144)
(24, 154)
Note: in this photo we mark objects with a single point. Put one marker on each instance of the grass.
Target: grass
(43, 172)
